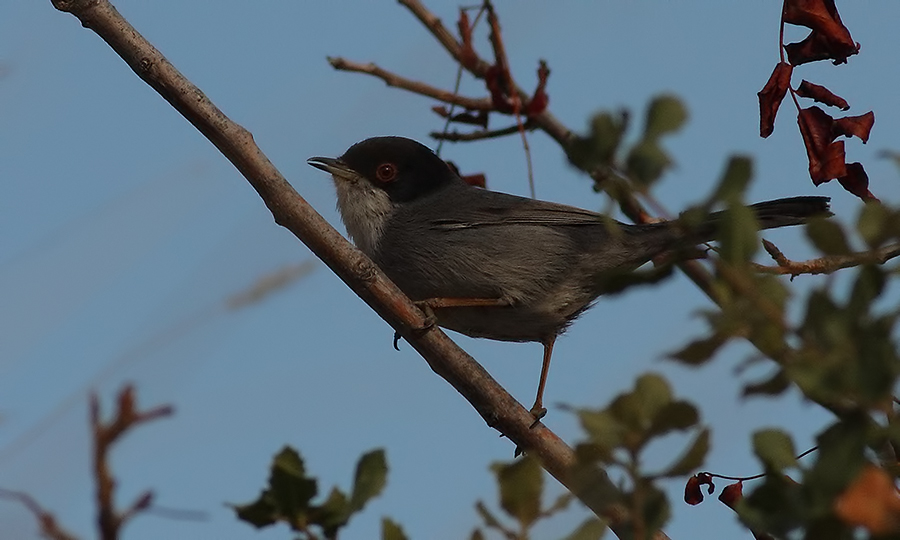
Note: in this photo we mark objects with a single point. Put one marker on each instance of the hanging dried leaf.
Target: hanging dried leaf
(859, 126)
(856, 181)
(822, 95)
(829, 38)
(770, 97)
(826, 158)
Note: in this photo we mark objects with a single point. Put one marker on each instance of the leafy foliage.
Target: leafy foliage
(290, 491)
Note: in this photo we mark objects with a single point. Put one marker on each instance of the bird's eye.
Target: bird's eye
(386, 172)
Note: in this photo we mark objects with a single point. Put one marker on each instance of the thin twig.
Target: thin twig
(455, 136)
(827, 264)
(46, 521)
(498, 408)
(417, 87)
(127, 416)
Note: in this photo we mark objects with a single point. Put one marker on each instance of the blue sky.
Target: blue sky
(123, 233)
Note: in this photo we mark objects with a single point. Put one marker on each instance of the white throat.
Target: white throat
(364, 210)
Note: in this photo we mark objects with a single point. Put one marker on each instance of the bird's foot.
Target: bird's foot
(538, 413)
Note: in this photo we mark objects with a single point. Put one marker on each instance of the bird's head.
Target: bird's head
(375, 176)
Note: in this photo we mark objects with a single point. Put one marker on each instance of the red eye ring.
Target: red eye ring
(386, 172)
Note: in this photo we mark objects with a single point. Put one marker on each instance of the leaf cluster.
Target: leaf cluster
(288, 498)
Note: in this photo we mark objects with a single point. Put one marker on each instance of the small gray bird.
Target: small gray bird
(494, 265)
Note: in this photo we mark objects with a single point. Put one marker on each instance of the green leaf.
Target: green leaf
(828, 236)
(590, 529)
(654, 393)
(677, 415)
(692, 458)
(521, 483)
(772, 386)
(391, 530)
(371, 477)
(646, 162)
(333, 514)
(701, 350)
(604, 430)
(734, 181)
(873, 222)
(260, 513)
(738, 234)
(775, 449)
(870, 282)
(599, 147)
(289, 488)
(666, 114)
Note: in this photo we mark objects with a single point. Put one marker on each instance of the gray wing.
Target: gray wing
(476, 209)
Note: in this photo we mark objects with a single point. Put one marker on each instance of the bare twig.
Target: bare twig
(48, 526)
(109, 520)
(455, 136)
(498, 408)
(827, 264)
(392, 79)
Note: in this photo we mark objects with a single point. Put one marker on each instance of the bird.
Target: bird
(493, 265)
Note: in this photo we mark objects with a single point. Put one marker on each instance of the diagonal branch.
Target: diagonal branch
(498, 408)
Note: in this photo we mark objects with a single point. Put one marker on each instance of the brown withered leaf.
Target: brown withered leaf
(732, 494)
(771, 96)
(826, 156)
(856, 181)
(539, 100)
(859, 126)
(822, 95)
(871, 501)
(829, 38)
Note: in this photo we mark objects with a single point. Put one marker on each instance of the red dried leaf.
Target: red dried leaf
(856, 181)
(441, 111)
(822, 95)
(771, 95)
(467, 56)
(495, 80)
(826, 158)
(859, 126)
(732, 494)
(829, 37)
(540, 99)
(477, 180)
(693, 494)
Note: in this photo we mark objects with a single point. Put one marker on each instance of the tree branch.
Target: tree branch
(109, 520)
(498, 408)
(46, 521)
(392, 79)
(455, 136)
(827, 264)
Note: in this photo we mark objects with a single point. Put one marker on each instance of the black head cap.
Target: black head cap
(402, 167)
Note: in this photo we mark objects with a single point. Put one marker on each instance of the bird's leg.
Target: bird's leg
(438, 303)
(537, 410)
(430, 304)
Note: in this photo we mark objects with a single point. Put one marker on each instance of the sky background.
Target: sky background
(123, 233)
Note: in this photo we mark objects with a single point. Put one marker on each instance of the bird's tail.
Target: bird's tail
(774, 214)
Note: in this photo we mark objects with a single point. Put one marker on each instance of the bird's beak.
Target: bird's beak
(336, 167)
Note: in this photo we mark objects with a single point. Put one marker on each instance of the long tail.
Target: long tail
(777, 213)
